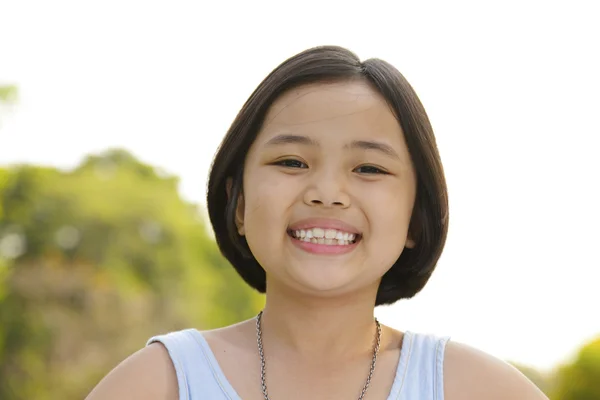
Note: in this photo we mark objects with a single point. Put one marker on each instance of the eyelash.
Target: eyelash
(301, 165)
(378, 171)
(285, 163)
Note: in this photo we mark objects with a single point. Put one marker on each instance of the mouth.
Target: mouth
(327, 237)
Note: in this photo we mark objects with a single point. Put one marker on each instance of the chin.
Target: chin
(323, 278)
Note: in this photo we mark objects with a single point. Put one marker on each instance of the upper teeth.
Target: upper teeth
(320, 233)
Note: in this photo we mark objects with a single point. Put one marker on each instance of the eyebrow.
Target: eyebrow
(356, 144)
(291, 139)
(373, 145)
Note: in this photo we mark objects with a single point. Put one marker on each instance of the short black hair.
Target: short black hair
(328, 64)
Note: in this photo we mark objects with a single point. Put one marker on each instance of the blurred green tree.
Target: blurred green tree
(580, 379)
(92, 263)
(8, 93)
(8, 97)
(543, 380)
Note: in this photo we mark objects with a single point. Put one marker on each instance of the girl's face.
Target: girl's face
(329, 189)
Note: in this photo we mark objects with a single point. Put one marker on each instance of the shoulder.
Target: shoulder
(239, 337)
(472, 374)
(147, 374)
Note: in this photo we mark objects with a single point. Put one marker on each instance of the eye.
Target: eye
(370, 170)
(291, 163)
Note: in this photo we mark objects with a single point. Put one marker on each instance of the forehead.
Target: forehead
(348, 106)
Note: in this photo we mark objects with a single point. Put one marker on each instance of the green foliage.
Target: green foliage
(95, 261)
(8, 93)
(580, 380)
(544, 381)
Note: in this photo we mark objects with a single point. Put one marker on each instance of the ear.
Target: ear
(239, 209)
(239, 215)
(410, 242)
(414, 229)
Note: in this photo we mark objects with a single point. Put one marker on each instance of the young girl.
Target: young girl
(328, 195)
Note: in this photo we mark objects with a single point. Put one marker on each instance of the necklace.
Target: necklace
(263, 369)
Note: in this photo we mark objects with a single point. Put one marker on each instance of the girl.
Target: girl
(327, 194)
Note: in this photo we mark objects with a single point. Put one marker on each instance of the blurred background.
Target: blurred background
(110, 113)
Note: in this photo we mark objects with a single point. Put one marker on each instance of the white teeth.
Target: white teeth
(330, 233)
(324, 236)
(332, 242)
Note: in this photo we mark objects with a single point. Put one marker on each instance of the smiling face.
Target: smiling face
(329, 189)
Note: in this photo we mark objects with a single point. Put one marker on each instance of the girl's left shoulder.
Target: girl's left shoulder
(472, 374)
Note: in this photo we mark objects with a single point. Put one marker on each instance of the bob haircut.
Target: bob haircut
(328, 64)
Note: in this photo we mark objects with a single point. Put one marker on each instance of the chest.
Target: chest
(292, 379)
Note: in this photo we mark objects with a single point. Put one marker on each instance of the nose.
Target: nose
(327, 190)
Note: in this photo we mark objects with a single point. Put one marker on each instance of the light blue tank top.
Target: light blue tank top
(419, 374)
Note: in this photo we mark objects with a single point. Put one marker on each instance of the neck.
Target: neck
(323, 328)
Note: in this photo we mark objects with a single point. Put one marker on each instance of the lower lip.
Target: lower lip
(317, 248)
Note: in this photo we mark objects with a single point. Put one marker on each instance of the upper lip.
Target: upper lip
(325, 223)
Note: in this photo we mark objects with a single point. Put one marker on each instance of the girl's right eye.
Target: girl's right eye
(291, 163)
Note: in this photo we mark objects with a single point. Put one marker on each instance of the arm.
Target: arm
(148, 374)
(470, 374)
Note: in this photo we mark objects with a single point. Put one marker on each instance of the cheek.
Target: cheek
(265, 211)
(395, 220)
(389, 219)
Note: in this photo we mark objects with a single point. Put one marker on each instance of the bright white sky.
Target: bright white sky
(513, 92)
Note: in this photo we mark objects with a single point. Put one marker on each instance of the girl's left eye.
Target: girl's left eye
(370, 170)
(291, 163)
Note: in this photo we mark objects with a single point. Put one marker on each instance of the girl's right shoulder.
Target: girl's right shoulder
(147, 374)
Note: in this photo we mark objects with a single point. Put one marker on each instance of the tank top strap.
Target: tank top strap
(197, 370)
(423, 377)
